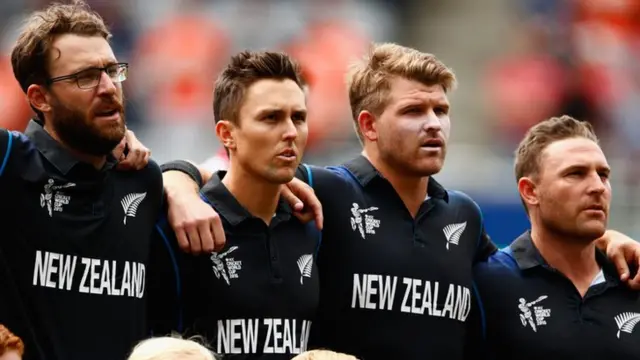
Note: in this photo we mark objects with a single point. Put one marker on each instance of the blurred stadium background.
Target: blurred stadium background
(517, 62)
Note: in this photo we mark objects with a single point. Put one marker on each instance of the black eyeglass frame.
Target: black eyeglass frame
(75, 75)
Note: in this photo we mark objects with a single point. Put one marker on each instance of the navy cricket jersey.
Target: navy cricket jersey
(529, 310)
(73, 249)
(394, 287)
(255, 299)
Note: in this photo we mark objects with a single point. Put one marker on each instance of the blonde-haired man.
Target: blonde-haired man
(398, 248)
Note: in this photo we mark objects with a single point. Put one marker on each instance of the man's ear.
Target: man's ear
(528, 191)
(367, 125)
(37, 96)
(225, 130)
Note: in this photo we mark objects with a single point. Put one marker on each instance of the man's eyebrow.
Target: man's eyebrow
(89, 67)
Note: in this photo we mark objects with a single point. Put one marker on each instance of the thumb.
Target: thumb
(621, 265)
(118, 151)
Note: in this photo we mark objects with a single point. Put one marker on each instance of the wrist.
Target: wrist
(185, 168)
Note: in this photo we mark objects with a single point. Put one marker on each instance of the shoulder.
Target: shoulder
(500, 264)
(150, 175)
(462, 200)
(317, 175)
(327, 182)
(152, 170)
(16, 150)
(146, 182)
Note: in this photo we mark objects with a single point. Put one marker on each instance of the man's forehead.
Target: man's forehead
(275, 93)
(406, 89)
(572, 152)
(70, 52)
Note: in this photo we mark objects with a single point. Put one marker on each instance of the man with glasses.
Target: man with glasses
(75, 234)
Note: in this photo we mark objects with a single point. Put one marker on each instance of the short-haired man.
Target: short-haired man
(257, 297)
(76, 234)
(398, 248)
(552, 293)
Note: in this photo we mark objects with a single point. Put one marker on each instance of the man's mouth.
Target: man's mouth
(107, 113)
(433, 144)
(288, 154)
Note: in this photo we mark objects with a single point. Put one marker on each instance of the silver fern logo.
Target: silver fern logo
(305, 264)
(627, 321)
(130, 204)
(453, 232)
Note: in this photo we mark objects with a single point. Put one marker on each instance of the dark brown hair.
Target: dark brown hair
(29, 57)
(245, 69)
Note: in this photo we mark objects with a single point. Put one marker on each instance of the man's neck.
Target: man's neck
(574, 258)
(259, 197)
(411, 189)
(93, 160)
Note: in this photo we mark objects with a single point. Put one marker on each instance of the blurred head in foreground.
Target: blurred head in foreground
(323, 355)
(170, 348)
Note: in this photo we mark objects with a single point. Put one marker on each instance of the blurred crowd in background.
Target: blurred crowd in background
(517, 61)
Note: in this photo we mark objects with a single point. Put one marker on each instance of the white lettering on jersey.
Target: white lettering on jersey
(377, 292)
(242, 336)
(98, 277)
(366, 287)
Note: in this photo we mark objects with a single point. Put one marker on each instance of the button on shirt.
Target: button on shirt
(256, 298)
(531, 311)
(394, 287)
(73, 251)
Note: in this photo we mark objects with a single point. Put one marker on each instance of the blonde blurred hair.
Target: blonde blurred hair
(369, 80)
(323, 355)
(170, 348)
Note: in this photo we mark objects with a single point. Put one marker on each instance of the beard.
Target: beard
(406, 160)
(77, 130)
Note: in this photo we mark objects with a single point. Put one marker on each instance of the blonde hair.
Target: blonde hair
(170, 348)
(369, 80)
(323, 355)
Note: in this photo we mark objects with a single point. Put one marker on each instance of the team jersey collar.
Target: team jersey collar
(219, 196)
(365, 172)
(57, 155)
(528, 257)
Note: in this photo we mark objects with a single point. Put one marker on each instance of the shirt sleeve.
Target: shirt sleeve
(163, 283)
(486, 247)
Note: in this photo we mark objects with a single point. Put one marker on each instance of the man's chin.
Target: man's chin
(430, 169)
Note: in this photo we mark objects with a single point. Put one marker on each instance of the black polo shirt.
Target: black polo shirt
(74, 248)
(254, 299)
(531, 311)
(394, 287)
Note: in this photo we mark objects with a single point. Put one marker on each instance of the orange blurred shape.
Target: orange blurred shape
(180, 59)
(14, 107)
(524, 91)
(325, 52)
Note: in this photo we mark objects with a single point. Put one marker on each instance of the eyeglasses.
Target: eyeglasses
(90, 78)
